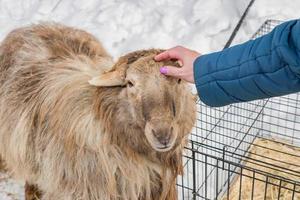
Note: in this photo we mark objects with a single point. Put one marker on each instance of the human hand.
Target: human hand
(185, 56)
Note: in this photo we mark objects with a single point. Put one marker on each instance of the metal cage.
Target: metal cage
(244, 151)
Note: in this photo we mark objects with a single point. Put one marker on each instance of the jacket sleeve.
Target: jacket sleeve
(265, 67)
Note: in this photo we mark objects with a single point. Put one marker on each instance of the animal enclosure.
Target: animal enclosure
(246, 150)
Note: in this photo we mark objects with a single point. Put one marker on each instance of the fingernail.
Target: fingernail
(163, 70)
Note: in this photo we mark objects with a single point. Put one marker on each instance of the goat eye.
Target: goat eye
(129, 84)
(174, 108)
(179, 81)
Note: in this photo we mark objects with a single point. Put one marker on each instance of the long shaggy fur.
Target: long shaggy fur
(71, 139)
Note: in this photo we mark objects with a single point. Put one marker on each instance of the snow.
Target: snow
(10, 189)
(128, 25)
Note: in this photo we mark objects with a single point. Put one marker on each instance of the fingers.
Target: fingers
(162, 56)
(173, 53)
(171, 71)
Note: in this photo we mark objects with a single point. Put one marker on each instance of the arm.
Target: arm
(265, 67)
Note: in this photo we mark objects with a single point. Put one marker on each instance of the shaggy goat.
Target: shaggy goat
(78, 131)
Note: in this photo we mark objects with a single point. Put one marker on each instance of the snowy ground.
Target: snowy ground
(129, 25)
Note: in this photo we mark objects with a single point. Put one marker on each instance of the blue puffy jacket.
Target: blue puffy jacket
(265, 67)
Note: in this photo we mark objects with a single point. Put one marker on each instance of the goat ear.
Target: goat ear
(108, 79)
(115, 77)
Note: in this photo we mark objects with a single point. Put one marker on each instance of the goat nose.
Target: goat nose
(165, 141)
(163, 136)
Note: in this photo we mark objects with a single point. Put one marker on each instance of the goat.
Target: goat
(79, 126)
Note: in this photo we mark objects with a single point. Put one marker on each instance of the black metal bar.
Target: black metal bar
(217, 179)
(241, 182)
(232, 36)
(205, 175)
(182, 191)
(280, 182)
(228, 181)
(253, 185)
(223, 156)
(194, 172)
(294, 190)
(266, 188)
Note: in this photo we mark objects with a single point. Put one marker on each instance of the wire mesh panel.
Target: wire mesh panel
(282, 118)
(244, 151)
